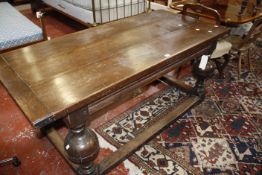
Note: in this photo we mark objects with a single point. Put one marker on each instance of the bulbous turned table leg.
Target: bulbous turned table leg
(81, 144)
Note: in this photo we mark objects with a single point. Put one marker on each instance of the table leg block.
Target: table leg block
(81, 143)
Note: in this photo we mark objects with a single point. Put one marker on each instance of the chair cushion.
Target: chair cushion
(241, 30)
(223, 47)
(16, 29)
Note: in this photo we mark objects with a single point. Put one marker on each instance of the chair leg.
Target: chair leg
(221, 66)
(249, 58)
(178, 71)
(239, 64)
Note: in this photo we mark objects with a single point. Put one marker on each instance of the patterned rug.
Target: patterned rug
(222, 135)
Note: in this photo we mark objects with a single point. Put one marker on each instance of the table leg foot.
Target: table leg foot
(201, 76)
(81, 144)
(90, 169)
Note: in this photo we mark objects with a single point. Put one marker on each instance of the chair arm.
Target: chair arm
(199, 10)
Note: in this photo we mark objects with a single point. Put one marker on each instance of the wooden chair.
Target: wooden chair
(221, 54)
(242, 46)
(197, 10)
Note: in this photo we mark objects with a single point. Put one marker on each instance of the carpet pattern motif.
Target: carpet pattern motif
(222, 135)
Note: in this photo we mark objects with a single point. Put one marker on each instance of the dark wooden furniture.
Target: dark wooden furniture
(242, 46)
(228, 14)
(36, 5)
(229, 10)
(198, 10)
(78, 76)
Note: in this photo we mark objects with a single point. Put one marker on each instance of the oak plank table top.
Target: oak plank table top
(62, 74)
(229, 10)
(67, 76)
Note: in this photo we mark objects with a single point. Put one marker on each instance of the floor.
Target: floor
(56, 24)
(38, 155)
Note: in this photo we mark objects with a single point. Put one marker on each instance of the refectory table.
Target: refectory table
(80, 75)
